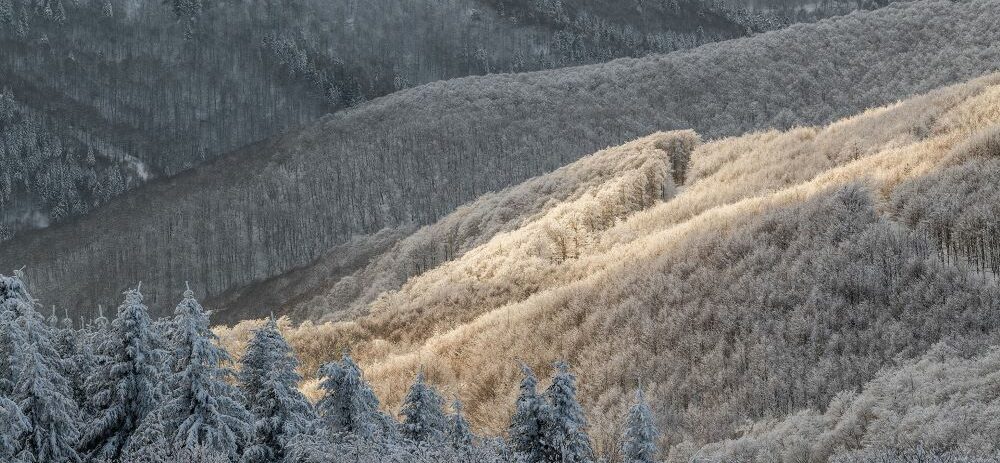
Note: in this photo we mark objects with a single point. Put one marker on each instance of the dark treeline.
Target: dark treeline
(135, 390)
(416, 155)
(153, 88)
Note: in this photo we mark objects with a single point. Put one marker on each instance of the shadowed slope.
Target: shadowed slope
(416, 155)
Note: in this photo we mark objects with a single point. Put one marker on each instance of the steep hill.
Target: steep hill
(172, 84)
(413, 157)
(780, 270)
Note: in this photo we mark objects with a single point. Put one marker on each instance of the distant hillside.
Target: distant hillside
(141, 89)
(413, 157)
(760, 276)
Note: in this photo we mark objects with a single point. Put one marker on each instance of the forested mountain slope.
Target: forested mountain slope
(944, 401)
(172, 84)
(767, 275)
(416, 155)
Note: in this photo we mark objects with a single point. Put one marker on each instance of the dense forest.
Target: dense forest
(815, 294)
(149, 89)
(414, 156)
(783, 269)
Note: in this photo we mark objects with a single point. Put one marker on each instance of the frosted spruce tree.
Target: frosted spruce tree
(639, 439)
(459, 432)
(149, 443)
(34, 377)
(125, 387)
(348, 404)
(26, 325)
(11, 339)
(203, 410)
(423, 415)
(530, 412)
(270, 385)
(564, 430)
(44, 401)
(14, 427)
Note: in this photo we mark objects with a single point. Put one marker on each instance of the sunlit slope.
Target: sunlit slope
(786, 268)
(413, 157)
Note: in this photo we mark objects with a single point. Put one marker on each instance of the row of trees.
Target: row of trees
(132, 389)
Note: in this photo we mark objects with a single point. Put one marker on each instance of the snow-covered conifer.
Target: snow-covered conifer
(529, 416)
(53, 320)
(423, 414)
(203, 410)
(348, 404)
(459, 432)
(11, 338)
(270, 384)
(149, 443)
(14, 426)
(565, 428)
(20, 307)
(53, 414)
(639, 439)
(126, 385)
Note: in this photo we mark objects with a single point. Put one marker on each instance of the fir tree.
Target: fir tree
(423, 416)
(11, 339)
(101, 323)
(14, 427)
(204, 411)
(529, 416)
(564, 429)
(270, 385)
(459, 433)
(52, 413)
(639, 439)
(126, 386)
(348, 404)
(53, 320)
(85, 361)
(14, 298)
(34, 377)
(149, 443)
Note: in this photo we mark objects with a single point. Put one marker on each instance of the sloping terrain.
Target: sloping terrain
(945, 401)
(413, 157)
(784, 269)
(173, 84)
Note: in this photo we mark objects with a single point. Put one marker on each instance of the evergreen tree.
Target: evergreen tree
(270, 385)
(86, 361)
(348, 404)
(11, 339)
(52, 413)
(126, 386)
(423, 414)
(459, 433)
(53, 320)
(564, 432)
(639, 439)
(204, 411)
(149, 443)
(529, 416)
(101, 323)
(34, 377)
(14, 427)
